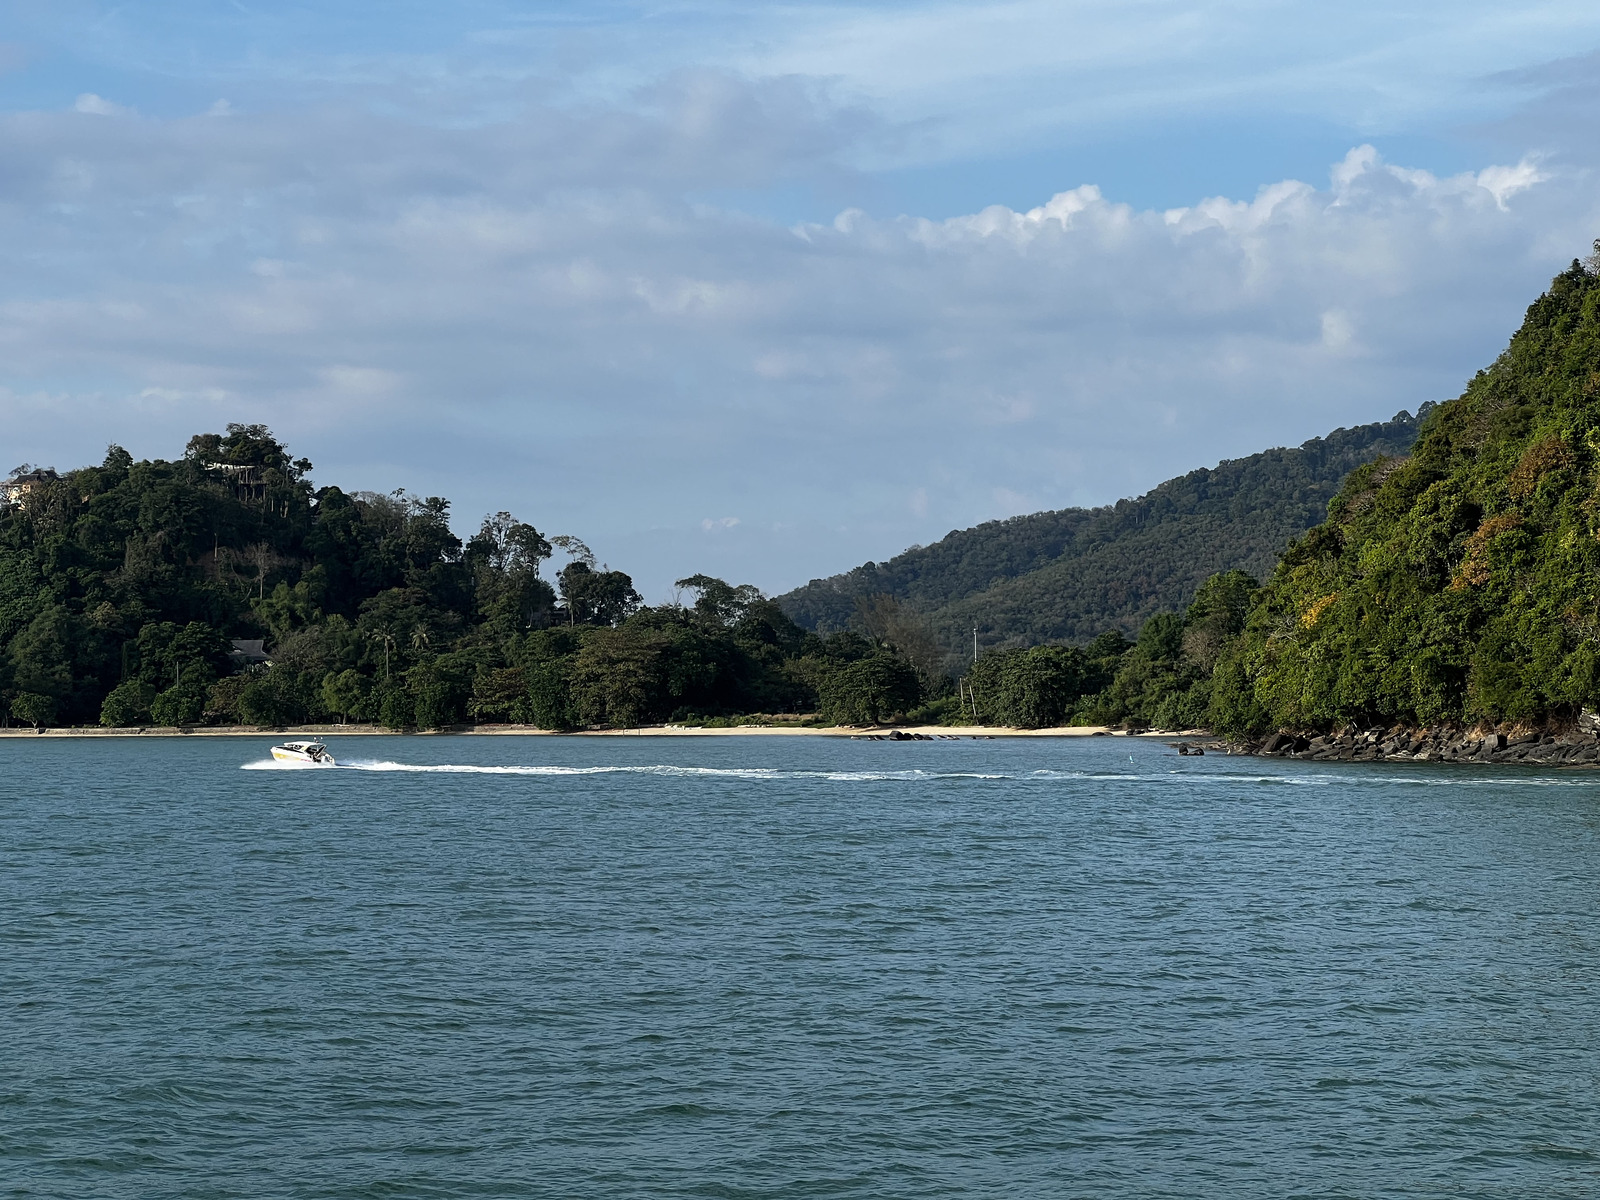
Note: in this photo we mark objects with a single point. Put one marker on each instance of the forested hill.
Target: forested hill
(1071, 574)
(1461, 584)
(222, 588)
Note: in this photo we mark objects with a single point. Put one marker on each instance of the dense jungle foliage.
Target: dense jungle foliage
(1454, 584)
(1461, 583)
(1457, 584)
(222, 588)
(1069, 575)
(124, 587)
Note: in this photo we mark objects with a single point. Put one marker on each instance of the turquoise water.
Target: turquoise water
(792, 967)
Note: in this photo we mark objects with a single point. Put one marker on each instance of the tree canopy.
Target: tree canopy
(1460, 583)
(124, 588)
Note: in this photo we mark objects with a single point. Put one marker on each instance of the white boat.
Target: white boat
(314, 753)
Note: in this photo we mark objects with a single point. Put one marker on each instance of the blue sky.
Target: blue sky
(767, 291)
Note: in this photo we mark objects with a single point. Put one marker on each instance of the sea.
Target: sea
(761, 968)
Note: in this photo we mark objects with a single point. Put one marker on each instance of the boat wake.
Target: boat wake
(775, 775)
(753, 773)
(1184, 777)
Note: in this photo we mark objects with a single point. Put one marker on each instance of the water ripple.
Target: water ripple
(792, 968)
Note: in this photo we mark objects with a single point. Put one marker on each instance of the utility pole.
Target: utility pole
(972, 693)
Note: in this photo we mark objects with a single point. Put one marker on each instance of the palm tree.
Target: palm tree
(387, 638)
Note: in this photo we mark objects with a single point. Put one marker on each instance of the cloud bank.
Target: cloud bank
(529, 313)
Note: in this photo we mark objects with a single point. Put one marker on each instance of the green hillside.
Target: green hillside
(1462, 583)
(1072, 574)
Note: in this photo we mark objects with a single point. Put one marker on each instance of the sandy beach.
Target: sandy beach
(779, 730)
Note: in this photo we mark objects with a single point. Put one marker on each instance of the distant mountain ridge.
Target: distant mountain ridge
(1071, 574)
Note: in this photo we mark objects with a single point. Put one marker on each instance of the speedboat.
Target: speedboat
(314, 753)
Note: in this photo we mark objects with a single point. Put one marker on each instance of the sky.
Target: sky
(768, 291)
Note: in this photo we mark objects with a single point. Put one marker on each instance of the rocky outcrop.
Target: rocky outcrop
(1554, 745)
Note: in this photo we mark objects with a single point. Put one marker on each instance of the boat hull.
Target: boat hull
(300, 756)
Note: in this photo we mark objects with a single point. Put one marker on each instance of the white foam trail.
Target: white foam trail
(1187, 777)
(772, 774)
(751, 773)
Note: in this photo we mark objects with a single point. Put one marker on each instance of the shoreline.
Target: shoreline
(866, 732)
(1509, 744)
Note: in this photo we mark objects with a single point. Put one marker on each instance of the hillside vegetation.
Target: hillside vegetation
(1452, 586)
(1072, 574)
(1455, 586)
(124, 587)
(1461, 583)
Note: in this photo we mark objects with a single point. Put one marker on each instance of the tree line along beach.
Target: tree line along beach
(1447, 598)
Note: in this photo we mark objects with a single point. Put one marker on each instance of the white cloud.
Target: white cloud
(528, 315)
(1504, 182)
(96, 106)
